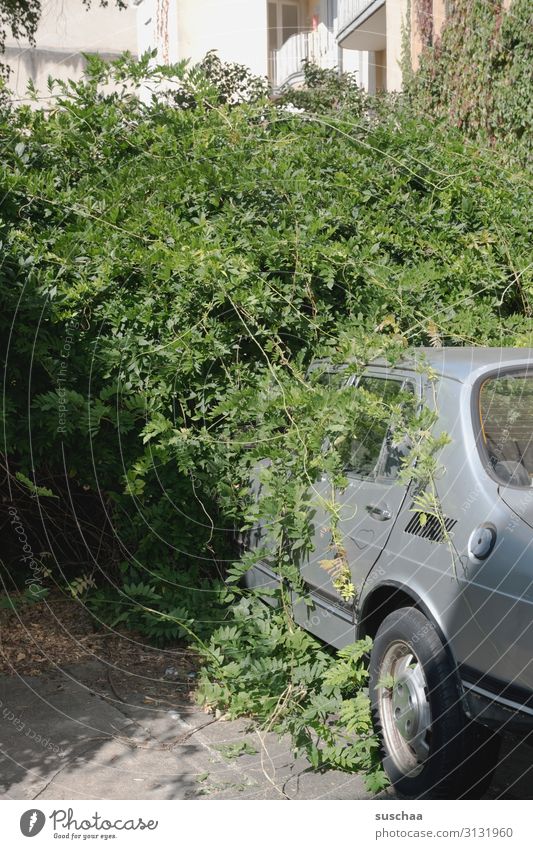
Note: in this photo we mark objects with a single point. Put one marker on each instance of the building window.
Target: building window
(331, 13)
(283, 22)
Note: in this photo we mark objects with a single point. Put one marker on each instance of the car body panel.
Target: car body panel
(482, 607)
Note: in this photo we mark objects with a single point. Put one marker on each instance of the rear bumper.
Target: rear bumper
(497, 704)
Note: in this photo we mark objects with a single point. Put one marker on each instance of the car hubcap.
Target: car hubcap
(404, 708)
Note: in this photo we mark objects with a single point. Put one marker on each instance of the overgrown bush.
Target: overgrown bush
(324, 90)
(168, 273)
(320, 701)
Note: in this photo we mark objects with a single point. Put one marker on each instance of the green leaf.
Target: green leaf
(35, 490)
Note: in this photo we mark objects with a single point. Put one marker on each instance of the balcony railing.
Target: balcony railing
(319, 47)
(348, 10)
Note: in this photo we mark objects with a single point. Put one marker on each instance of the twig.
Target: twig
(67, 762)
(188, 734)
(110, 680)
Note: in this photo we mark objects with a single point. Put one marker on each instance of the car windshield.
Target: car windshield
(506, 413)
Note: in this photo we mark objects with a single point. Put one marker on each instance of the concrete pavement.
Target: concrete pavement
(70, 734)
(67, 735)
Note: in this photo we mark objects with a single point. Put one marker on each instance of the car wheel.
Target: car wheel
(430, 748)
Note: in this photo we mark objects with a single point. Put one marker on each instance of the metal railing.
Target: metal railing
(318, 46)
(349, 10)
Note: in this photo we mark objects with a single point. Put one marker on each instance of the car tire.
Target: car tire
(430, 749)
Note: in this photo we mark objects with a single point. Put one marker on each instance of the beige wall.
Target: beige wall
(396, 11)
(237, 29)
(312, 7)
(416, 40)
(439, 16)
(66, 30)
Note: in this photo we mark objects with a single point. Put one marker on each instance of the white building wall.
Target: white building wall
(177, 29)
(157, 29)
(356, 61)
(66, 30)
(396, 12)
(237, 29)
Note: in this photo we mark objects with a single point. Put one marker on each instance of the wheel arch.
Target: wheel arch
(381, 601)
(389, 596)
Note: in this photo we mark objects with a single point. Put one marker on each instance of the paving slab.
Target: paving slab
(71, 735)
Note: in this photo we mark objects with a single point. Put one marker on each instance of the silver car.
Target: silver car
(448, 600)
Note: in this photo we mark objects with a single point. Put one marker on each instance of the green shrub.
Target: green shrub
(168, 272)
(280, 676)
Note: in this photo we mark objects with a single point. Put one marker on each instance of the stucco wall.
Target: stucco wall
(439, 16)
(396, 12)
(66, 30)
(237, 29)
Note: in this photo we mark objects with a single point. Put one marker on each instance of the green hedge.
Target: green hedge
(168, 272)
(159, 262)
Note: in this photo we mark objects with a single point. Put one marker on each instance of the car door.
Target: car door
(369, 504)
(333, 376)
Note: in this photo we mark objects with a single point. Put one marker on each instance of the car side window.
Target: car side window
(374, 453)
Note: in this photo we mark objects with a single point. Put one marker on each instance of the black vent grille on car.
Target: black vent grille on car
(432, 530)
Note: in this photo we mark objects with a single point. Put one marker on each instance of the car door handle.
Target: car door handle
(379, 513)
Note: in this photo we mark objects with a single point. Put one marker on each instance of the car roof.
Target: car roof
(460, 363)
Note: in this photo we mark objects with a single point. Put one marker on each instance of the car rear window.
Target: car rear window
(506, 414)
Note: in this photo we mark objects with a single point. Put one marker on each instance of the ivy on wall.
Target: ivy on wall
(477, 75)
(424, 20)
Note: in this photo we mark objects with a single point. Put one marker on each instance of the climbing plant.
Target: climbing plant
(477, 74)
(424, 21)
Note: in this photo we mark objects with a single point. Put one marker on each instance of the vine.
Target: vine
(423, 10)
(477, 75)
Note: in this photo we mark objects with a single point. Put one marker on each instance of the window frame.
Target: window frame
(279, 22)
(332, 13)
(524, 371)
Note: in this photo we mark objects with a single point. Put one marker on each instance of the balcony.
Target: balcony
(318, 46)
(362, 25)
